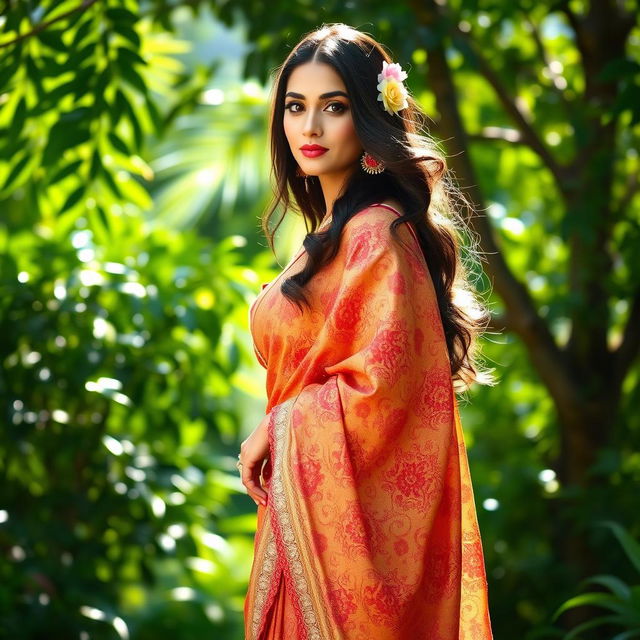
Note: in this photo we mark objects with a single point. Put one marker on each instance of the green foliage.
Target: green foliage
(122, 345)
(623, 600)
(78, 83)
(118, 354)
(89, 89)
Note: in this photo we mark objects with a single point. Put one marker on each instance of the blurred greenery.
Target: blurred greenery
(623, 601)
(133, 170)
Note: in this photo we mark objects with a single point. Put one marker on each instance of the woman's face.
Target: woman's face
(313, 118)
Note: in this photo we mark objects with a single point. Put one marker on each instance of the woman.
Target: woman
(366, 521)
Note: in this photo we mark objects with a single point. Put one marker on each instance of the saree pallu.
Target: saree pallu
(370, 529)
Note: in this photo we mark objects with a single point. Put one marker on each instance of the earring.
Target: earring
(370, 164)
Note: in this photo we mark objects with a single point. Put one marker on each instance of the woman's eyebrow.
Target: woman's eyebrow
(330, 94)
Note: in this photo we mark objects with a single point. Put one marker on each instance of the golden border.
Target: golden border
(265, 577)
(304, 536)
(279, 480)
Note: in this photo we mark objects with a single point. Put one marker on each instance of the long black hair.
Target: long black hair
(415, 175)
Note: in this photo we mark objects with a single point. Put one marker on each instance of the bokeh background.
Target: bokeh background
(134, 170)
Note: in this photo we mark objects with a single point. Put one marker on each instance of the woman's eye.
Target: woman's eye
(340, 106)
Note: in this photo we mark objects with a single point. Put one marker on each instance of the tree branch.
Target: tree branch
(559, 82)
(512, 136)
(43, 25)
(529, 134)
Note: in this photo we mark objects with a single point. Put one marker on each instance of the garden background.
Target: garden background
(134, 170)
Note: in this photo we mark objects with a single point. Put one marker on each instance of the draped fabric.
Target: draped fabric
(370, 529)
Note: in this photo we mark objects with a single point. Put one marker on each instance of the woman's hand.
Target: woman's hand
(253, 452)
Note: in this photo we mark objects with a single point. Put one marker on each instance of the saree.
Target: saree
(370, 530)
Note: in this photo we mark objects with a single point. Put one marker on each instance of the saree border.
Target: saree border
(317, 596)
(264, 589)
(311, 612)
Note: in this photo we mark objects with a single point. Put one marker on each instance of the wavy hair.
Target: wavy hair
(415, 175)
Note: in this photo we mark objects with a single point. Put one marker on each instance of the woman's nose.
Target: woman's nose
(311, 123)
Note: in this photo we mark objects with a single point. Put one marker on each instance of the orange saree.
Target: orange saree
(370, 529)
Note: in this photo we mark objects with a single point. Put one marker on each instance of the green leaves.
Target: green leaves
(66, 82)
(623, 601)
(630, 546)
(115, 452)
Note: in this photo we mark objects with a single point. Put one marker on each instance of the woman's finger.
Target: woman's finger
(253, 487)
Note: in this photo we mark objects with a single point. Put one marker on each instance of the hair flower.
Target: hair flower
(393, 93)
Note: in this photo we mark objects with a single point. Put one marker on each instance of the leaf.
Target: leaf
(102, 228)
(12, 22)
(129, 57)
(12, 148)
(128, 33)
(135, 122)
(110, 182)
(82, 32)
(121, 15)
(73, 199)
(7, 71)
(119, 107)
(96, 164)
(129, 74)
(80, 113)
(154, 114)
(63, 136)
(135, 193)
(118, 143)
(617, 586)
(50, 67)
(82, 82)
(85, 54)
(596, 622)
(34, 75)
(618, 68)
(19, 118)
(599, 599)
(65, 172)
(629, 545)
(54, 97)
(53, 39)
(64, 224)
(16, 172)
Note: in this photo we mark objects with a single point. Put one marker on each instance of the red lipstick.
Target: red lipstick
(313, 150)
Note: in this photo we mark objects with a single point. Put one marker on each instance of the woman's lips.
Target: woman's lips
(313, 153)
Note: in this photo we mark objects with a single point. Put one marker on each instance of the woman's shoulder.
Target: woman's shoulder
(380, 213)
(368, 240)
(377, 218)
(387, 209)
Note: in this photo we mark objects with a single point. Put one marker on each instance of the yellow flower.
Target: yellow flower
(392, 92)
(393, 96)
